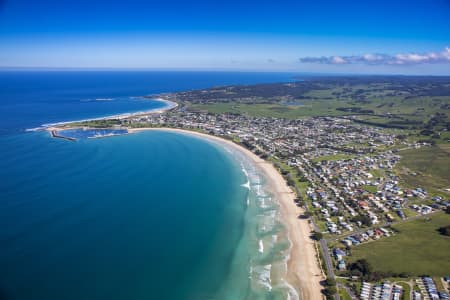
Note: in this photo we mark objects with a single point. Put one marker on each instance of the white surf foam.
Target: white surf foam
(274, 238)
(246, 185)
(169, 105)
(263, 203)
(292, 292)
(263, 276)
(244, 170)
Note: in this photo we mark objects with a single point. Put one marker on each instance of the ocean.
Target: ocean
(153, 215)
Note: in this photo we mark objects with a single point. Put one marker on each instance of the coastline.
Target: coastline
(56, 126)
(303, 270)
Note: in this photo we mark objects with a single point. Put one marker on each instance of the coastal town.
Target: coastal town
(225, 150)
(345, 177)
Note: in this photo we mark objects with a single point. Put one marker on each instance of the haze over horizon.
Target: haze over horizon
(296, 36)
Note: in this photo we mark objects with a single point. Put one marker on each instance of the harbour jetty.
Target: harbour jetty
(55, 134)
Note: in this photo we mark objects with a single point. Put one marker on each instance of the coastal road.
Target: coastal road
(327, 258)
(349, 291)
(328, 263)
(324, 248)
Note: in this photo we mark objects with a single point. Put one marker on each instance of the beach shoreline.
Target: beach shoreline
(170, 105)
(303, 271)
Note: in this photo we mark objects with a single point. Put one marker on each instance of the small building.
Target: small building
(341, 265)
(339, 253)
(347, 242)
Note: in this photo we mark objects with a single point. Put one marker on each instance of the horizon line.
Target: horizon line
(144, 69)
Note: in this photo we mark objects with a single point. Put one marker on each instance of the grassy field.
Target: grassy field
(370, 188)
(405, 104)
(377, 173)
(301, 185)
(332, 157)
(406, 290)
(417, 249)
(343, 294)
(312, 108)
(431, 166)
(404, 111)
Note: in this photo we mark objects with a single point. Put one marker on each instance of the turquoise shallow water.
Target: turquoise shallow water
(125, 217)
(154, 215)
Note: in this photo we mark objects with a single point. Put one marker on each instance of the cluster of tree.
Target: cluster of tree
(390, 104)
(364, 219)
(360, 268)
(426, 132)
(445, 230)
(358, 110)
(99, 123)
(383, 125)
(261, 154)
(284, 172)
(330, 288)
(351, 88)
(287, 175)
(403, 121)
(299, 201)
(290, 181)
(264, 156)
(143, 125)
(438, 120)
(248, 145)
(258, 93)
(364, 270)
(402, 137)
(301, 177)
(445, 106)
(316, 235)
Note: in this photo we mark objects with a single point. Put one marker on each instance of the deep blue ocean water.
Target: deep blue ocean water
(154, 215)
(30, 99)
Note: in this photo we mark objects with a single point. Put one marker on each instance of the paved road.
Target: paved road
(328, 263)
(349, 291)
(324, 248)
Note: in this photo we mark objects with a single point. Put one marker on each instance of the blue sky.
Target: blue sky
(401, 37)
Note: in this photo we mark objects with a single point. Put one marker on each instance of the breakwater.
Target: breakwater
(55, 134)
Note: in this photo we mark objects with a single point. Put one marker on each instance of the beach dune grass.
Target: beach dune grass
(418, 249)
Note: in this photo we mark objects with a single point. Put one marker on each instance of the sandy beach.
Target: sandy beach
(58, 126)
(303, 270)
